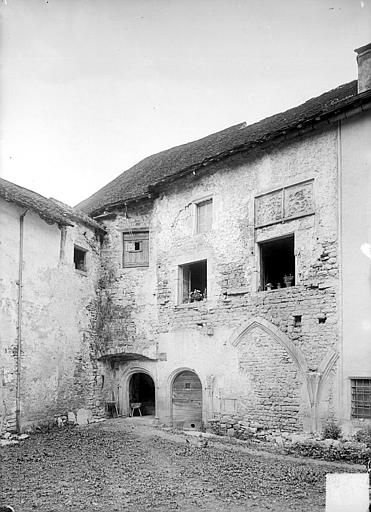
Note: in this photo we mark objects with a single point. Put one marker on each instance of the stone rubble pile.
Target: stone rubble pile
(312, 445)
(240, 428)
(8, 438)
(82, 418)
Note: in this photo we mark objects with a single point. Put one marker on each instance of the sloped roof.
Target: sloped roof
(50, 210)
(138, 181)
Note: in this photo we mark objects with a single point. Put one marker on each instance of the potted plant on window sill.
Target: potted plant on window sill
(196, 295)
(288, 279)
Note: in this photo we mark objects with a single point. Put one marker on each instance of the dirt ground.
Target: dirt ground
(126, 465)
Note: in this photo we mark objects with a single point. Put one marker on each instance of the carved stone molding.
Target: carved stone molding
(277, 335)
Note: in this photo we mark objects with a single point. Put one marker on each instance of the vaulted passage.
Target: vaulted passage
(142, 391)
(187, 400)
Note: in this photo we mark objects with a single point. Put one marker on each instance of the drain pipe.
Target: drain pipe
(19, 325)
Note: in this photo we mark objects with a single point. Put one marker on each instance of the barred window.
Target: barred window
(361, 398)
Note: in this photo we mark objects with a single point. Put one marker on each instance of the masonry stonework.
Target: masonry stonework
(250, 310)
(259, 378)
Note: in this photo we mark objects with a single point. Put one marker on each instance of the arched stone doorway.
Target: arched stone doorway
(186, 400)
(142, 390)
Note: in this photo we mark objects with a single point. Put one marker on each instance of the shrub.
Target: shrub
(364, 435)
(331, 430)
(349, 452)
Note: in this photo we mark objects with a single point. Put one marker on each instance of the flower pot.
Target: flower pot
(288, 280)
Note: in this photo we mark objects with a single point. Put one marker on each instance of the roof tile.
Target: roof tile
(137, 181)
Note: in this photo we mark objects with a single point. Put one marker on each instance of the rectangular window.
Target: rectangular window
(136, 249)
(361, 398)
(204, 216)
(193, 282)
(277, 263)
(79, 258)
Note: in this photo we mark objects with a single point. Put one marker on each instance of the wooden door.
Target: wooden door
(187, 400)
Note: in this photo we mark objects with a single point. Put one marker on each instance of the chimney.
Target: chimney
(364, 67)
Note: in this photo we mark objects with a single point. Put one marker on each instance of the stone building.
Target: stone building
(47, 308)
(235, 280)
(234, 273)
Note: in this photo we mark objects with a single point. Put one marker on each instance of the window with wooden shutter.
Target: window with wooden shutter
(204, 216)
(193, 282)
(136, 249)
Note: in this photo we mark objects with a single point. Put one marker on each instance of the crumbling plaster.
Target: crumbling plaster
(57, 369)
(194, 335)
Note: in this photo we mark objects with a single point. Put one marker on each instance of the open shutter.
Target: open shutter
(186, 284)
(136, 250)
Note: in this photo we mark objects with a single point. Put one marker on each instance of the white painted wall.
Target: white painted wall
(355, 180)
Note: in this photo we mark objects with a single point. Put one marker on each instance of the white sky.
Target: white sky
(90, 87)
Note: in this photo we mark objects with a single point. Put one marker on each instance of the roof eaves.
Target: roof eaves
(281, 127)
(300, 128)
(47, 217)
(77, 216)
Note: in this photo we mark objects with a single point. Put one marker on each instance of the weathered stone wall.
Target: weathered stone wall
(130, 318)
(272, 394)
(281, 387)
(59, 370)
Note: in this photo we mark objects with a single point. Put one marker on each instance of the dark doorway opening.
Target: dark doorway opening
(142, 391)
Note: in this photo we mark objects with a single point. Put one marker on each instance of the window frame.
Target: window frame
(261, 269)
(81, 249)
(182, 267)
(196, 204)
(135, 236)
(354, 414)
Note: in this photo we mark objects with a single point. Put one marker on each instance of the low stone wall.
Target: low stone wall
(240, 428)
(305, 445)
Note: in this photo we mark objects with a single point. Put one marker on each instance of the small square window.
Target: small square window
(297, 321)
(79, 258)
(136, 249)
(277, 263)
(187, 385)
(204, 212)
(193, 282)
(361, 398)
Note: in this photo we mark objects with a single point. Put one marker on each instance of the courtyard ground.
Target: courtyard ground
(128, 465)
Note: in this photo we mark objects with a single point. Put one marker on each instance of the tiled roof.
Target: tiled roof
(48, 209)
(137, 181)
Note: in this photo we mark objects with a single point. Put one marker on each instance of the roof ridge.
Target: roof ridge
(139, 180)
(47, 208)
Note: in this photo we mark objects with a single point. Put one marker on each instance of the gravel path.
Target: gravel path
(125, 465)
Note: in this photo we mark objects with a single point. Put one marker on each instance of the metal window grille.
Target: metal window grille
(361, 398)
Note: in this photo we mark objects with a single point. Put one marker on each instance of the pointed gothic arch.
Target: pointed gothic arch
(277, 335)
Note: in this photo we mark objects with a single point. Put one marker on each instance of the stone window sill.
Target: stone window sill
(283, 289)
(81, 272)
(191, 305)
